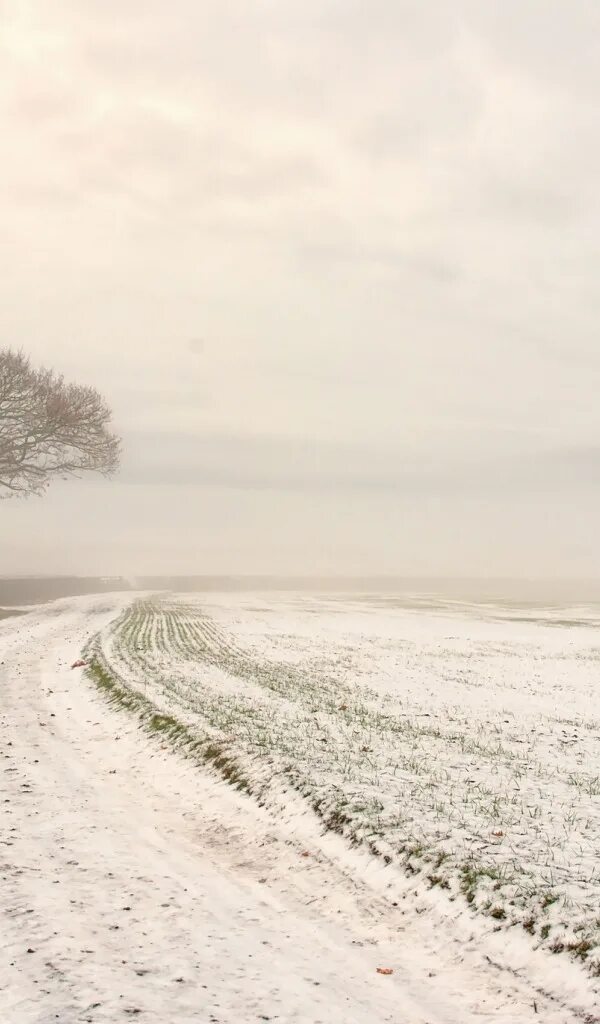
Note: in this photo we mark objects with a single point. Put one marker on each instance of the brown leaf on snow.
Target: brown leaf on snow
(79, 664)
(498, 834)
(385, 970)
(305, 853)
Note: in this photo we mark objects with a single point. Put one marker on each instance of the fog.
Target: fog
(333, 265)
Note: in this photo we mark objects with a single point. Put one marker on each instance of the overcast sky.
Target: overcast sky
(333, 263)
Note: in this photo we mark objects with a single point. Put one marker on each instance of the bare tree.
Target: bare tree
(49, 428)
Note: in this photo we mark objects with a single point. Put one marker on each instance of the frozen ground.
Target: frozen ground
(135, 883)
(460, 744)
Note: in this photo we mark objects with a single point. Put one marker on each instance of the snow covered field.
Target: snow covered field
(463, 747)
(452, 753)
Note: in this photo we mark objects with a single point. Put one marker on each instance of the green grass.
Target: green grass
(203, 752)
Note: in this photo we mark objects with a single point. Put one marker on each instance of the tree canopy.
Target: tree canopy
(49, 428)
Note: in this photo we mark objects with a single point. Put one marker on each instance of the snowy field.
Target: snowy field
(460, 744)
(250, 806)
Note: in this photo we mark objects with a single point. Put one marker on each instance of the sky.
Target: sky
(334, 266)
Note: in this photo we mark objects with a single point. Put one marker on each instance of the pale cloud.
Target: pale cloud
(312, 247)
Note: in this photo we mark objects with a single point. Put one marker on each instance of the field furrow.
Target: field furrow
(454, 758)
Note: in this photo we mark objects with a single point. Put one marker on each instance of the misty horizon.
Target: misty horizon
(343, 311)
(423, 592)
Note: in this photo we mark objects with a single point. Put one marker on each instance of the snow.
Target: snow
(463, 746)
(147, 887)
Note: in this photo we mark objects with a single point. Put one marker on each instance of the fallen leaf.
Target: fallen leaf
(384, 970)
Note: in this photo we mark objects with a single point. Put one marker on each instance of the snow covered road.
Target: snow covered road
(133, 884)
